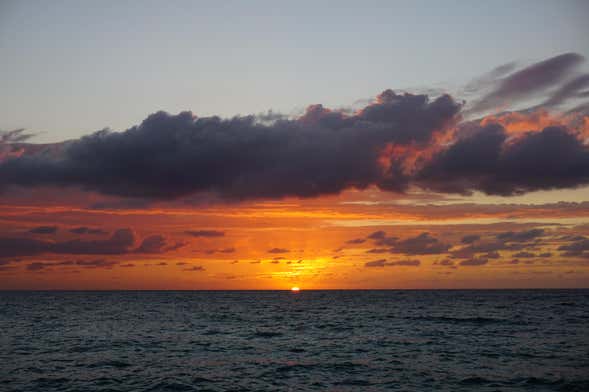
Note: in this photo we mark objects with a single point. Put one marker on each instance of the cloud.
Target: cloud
(445, 263)
(524, 255)
(485, 247)
(157, 244)
(377, 250)
(223, 250)
(398, 263)
(321, 152)
(473, 262)
(120, 242)
(522, 236)
(576, 248)
(196, 268)
(529, 81)
(423, 244)
(469, 239)
(44, 230)
(99, 263)
(278, 250)
(396, 143)
(356, 241)
(377, 235)
(88, 230)
(205, 233)
(486, 160)
(572, 89)
(38, 266)
(508, 240)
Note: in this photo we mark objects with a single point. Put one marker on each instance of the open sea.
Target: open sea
(495, 340)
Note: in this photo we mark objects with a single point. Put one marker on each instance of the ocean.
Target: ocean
(446, 340)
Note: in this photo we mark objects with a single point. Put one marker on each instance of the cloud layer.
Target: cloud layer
(398, 141)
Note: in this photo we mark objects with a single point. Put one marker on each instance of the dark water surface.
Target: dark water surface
(519, 340)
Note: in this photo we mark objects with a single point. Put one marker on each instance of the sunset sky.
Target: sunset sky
(347, 145)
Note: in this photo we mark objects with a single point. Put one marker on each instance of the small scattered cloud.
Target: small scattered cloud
(88, 230)
(44, 230)
(278, 250)
(474, 262)
(205, 233)
(398, 263)
(196, 268)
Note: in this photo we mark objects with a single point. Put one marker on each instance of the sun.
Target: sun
(295, 289)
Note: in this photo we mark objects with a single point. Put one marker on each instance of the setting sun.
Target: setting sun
(295, 289)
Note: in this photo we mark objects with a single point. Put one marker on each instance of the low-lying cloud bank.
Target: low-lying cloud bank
(396, 142)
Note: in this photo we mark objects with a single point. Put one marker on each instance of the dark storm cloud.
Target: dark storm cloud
(167, 156)
(486, 161)
(205, 233)
(44, 230)
(529, 81)
(87, 230)
(398, 263)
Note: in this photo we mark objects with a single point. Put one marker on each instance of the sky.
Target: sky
(259, 145)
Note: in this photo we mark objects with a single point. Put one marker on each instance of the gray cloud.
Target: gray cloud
(485, 160)
(423, 244)
(469, 239)
(205, 233)
(99, 263)
(474, 262)
(44, 230)
(278, 250)
(321, 152)
(121, 242)
(88, 230)
(529, 81)
(398, 263)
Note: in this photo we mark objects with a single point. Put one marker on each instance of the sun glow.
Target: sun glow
(295, 289)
